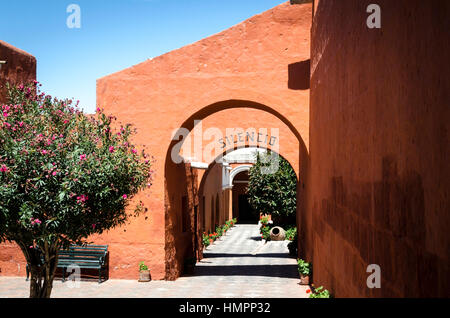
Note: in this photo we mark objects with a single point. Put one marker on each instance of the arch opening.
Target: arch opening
(184, 179)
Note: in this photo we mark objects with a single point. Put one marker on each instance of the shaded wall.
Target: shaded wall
(20, 68)
(379, 148)
(211, 189)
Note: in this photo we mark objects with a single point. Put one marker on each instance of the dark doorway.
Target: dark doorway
(246, 213)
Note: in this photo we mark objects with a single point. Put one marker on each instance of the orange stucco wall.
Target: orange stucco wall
(379, 148)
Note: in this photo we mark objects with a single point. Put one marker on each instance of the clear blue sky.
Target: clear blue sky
(114, 34)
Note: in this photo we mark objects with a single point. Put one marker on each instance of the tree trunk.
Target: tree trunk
(42, 273)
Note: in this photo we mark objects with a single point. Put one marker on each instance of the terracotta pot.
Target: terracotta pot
(144, 276)
(304, 280)
(277, 234)
(211, 241)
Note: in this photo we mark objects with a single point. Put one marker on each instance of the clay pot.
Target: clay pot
(304, 280)
(144, 276)
(277, 234)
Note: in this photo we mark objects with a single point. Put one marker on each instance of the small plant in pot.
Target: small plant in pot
(144, 273)
(189, 265)
(319, 292)
(205, 240)
(304, 270)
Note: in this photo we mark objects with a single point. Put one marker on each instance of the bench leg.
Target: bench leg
(28, 272)
(99, 275)
(64, 275)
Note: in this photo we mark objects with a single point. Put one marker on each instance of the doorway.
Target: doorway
(246, 213)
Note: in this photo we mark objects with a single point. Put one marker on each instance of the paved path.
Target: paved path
(238, 265)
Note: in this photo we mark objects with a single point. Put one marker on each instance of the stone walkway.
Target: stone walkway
(239, 265)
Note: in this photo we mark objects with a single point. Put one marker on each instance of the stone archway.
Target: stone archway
(181, 179)
(238, 170)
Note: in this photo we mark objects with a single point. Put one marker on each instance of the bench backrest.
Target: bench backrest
(83, 255)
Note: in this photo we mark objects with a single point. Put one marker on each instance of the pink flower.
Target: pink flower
(133, 150)
(125, 196)
(44, 152)
(35, 221)
(54, 173)
(111, 149)
(83, 157)
(93, 226)
(4, 168)
(82, 198)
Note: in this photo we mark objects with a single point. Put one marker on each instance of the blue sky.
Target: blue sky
(114, 34)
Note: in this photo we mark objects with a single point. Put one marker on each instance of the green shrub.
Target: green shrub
(265, 232)
(219, 231)
(320, 293)
(205, 239)
(291, 233)
(304, 268)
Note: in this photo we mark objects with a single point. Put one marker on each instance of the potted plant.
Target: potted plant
(212, 238)
(304, 270)
(189, 265)
(319, 293)
(205, 240)
(144, 273)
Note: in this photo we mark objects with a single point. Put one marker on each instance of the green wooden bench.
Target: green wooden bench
(89, 256)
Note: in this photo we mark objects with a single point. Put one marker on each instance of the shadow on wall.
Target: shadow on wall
(383, 223)
(299, 75)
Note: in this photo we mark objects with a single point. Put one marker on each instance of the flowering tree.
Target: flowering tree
(64, 176)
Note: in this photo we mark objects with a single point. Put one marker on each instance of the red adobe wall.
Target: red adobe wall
(20, 68)
(380, 148)
(262, 63)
